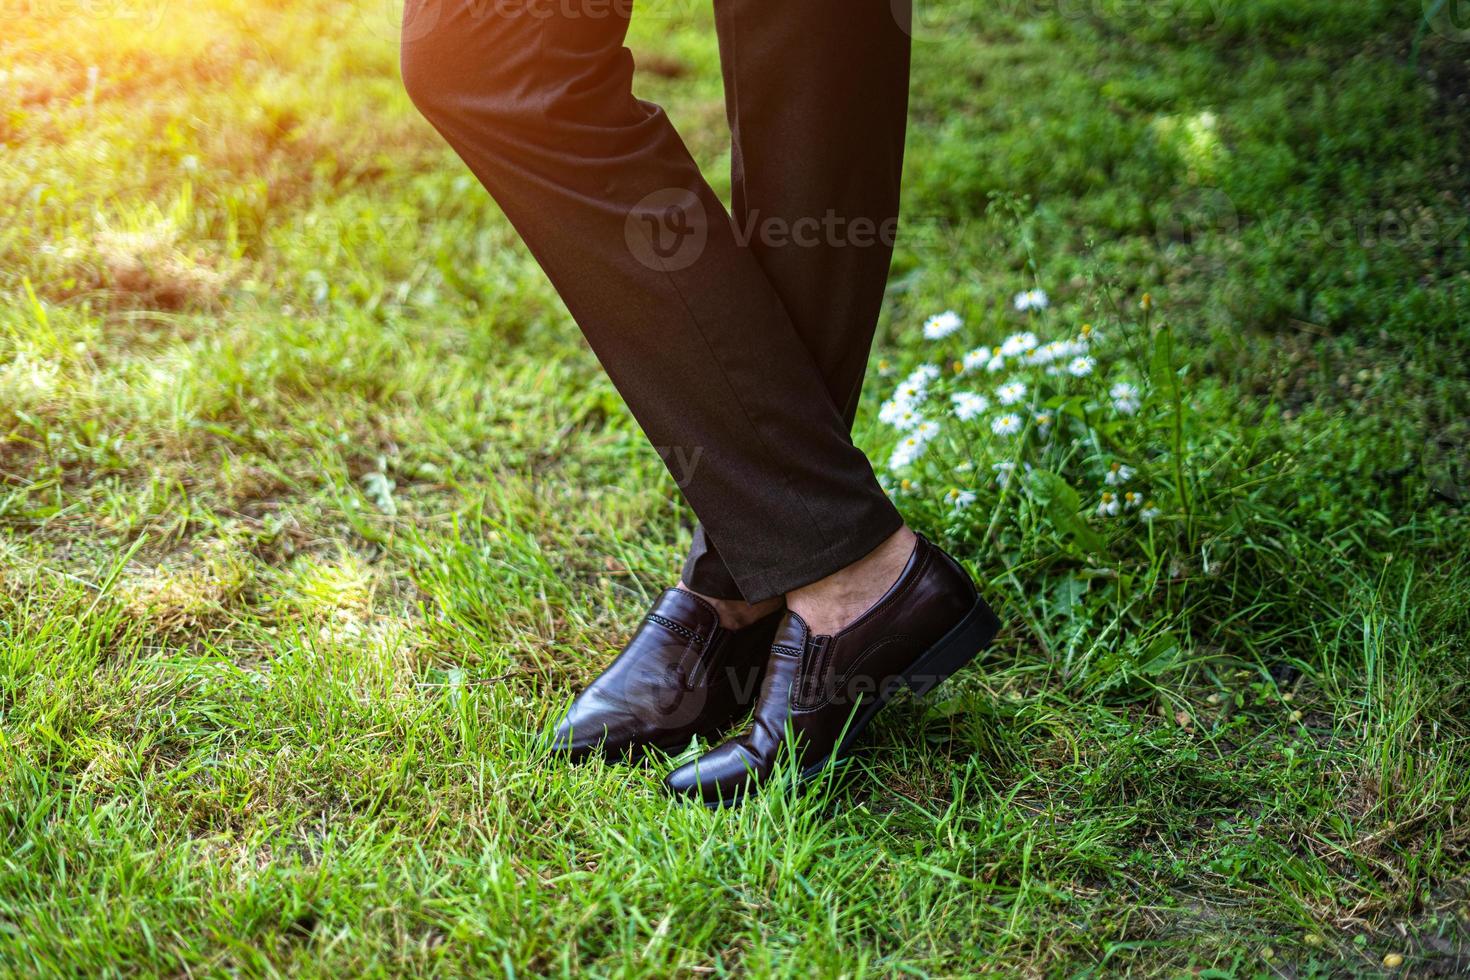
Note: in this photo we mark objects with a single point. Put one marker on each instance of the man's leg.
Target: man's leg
(686, 321)
(817, 98)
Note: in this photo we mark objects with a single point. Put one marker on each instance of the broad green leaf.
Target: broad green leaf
(1062, 505)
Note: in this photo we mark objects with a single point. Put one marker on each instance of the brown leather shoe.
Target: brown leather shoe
(681, 675)
(826, 689)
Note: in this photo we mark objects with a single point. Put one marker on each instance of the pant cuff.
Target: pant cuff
(706, 574)
(760, 583)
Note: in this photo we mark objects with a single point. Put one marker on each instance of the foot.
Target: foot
(831, 604)
(681, 675)
(736, 614)
(824, 689)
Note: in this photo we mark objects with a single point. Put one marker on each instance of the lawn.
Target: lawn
(315, 509)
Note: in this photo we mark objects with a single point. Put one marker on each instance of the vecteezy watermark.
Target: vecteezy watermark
(419, 19)
(859, 689)
(1369, 230)
(133, 13)
(668, 229)
(673, 699)
(669, 705)
(831, 230)
(1194, 215)
(1449, 19)
(923, 20)
(940, 20)
(681, 462)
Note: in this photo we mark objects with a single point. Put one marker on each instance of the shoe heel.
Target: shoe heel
(958, 647)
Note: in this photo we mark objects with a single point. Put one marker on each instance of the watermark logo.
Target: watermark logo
(832, 230)
(1193, 216)
(1449, 19)
(954, 20)
(405, 21)
(661, 704)
(668, 229)
(419, 18)
(128, 13)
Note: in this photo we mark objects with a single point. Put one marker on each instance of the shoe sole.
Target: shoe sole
(958, 647)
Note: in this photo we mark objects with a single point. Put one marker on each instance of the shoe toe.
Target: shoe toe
(578, 737)
(721, 777)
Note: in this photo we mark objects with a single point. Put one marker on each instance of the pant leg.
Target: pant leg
(817, 99)
(536, 98)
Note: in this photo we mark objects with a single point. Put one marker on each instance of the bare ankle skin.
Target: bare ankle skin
(737, 614)
(834, 602)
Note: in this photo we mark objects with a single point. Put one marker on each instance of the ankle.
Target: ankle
(830, 604)
(736, 614)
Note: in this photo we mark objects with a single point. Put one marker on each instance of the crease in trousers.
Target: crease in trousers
(738, 339)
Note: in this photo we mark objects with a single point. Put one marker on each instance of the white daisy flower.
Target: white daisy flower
(1109, 505)
(996, 363)
(1081, 367)
(903, 415)
(1005, 472)
(960, 499)
(1132, 501)
(923, 374)
(1004, 479)
(1046, 353)
(976, 359)
(1044, 422)
(941, 325)
(1118, 474)
(908, 449)
(1009, 394)
(1125, 398)
(911, 446)
(910, 392)
(1007, 425)
(967, 404)
(1032, 299)
(1018, 343)
(1150, 513)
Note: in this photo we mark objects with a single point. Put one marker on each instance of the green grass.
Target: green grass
(314, 507)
